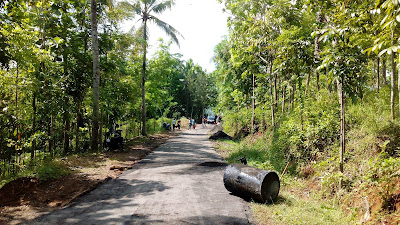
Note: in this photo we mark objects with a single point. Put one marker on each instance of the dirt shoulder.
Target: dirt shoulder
(27, 198)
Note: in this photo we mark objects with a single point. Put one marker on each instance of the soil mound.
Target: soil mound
(220, 135)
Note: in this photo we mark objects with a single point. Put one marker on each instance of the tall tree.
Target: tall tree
(146, 10)
(96, 77)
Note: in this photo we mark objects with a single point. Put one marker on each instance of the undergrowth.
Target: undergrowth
(308, 136)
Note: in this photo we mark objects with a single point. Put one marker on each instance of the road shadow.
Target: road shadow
(98, 206)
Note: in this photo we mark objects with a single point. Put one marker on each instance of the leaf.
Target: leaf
(57, 40)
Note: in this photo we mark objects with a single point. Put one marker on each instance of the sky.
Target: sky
(202, 24)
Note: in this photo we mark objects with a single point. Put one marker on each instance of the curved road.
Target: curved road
(179, 183)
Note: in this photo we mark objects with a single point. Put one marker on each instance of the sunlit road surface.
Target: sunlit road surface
(179, 183)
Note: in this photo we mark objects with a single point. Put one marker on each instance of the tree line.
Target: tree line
(282, 57)
(48, 78)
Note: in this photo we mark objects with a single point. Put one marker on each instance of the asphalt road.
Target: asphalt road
(179, 183)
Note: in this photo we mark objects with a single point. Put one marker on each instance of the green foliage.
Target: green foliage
(50, 170)
(383, 174)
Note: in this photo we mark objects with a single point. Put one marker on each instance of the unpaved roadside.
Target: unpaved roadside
(179, 183)
(27, 198)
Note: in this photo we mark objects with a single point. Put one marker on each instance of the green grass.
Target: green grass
(289, 209)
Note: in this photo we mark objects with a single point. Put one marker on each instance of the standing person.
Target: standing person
(179, 124)
(173, 124)
(203, 122)
(190, 123)
(194, 124)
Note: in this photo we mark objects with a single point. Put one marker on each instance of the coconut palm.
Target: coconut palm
(146, 9)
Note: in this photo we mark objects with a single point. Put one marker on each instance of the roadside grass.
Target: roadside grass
(289, 209)
(294, 204)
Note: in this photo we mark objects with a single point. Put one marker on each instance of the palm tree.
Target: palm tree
(145, 9)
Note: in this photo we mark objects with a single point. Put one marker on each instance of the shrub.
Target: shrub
(50, 170)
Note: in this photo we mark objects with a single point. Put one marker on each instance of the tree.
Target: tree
(96, 77)
(146, 10)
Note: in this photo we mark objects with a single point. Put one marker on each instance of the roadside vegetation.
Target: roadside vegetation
(54, 104)
(313, 85)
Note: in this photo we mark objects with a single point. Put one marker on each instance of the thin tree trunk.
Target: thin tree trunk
(398, 85)
(51, 135)
(290, 98)
(272, 97)
(96, 77)
(377, 75)
(275, 92)
(317, 48)
(67, 128)
(283, 99)
(342, 123)
(144, 133)
(293, 94)
(78, 119)
(101, 129)
(392, 84)
(307, 84)
(33, 147)
(253, 105)
(384, 81)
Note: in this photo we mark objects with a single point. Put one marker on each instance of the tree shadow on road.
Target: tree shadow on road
(108, 204)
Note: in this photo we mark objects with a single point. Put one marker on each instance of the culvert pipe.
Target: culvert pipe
(248, 182)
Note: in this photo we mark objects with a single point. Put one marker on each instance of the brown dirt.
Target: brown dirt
(27, 198)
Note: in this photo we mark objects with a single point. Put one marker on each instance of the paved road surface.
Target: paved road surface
(179, 183)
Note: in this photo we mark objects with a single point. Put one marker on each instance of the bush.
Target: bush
(50, 170)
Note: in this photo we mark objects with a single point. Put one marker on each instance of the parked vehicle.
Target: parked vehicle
(166, 126)
(211, 119)
(113, 140)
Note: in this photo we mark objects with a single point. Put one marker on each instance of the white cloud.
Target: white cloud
(201, 22)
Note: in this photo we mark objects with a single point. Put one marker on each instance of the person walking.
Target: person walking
(173, 124)
(203, 122)
(190, 123)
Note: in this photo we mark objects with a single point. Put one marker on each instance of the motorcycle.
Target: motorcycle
(113, 140)
(166, 126)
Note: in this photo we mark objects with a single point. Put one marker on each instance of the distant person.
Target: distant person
(194, 124)
(179, 124)
(173, 124)
(203, 122)
(190, 123)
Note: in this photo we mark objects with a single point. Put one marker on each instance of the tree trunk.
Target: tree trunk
(144, 133)
(272, 97)
(101, 129)
(96, 77)
(377, 75)
(67, 128)
(398, 85)
(33, 148)
(342, 123)
(78, 119)
(275, 92)
(392, 86)
(283, 99)
(290, 98)
(253, 105)
(384, 81)
(307, 83)
(51, 134)
(317, 48)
